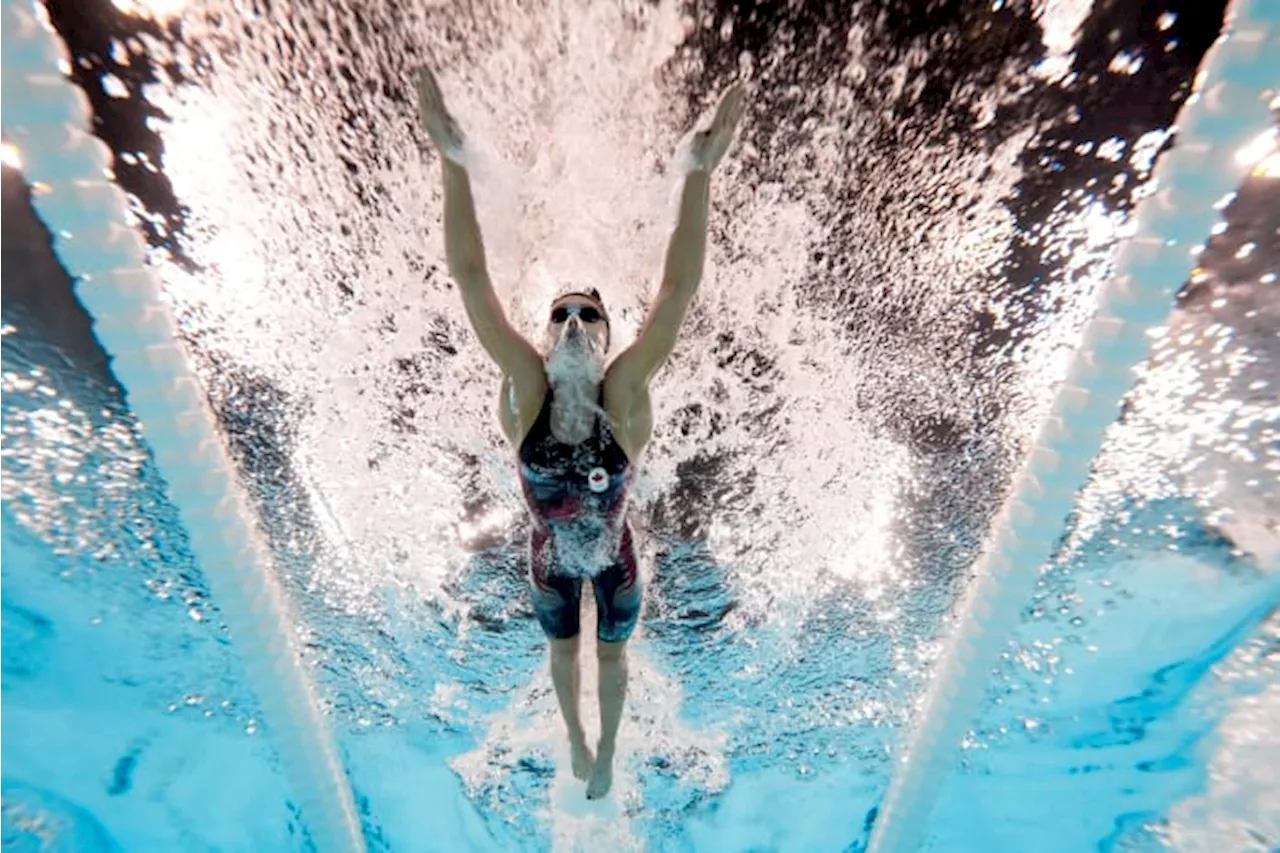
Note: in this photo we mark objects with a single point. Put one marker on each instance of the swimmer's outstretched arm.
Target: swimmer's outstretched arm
(464, 248)
(682, 269)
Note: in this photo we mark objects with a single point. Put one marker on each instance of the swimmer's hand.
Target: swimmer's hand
(435, 117)
(709, 145)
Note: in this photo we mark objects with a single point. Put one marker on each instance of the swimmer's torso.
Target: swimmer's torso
(577, 493)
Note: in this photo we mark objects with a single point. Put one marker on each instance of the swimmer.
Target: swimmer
(577, 426)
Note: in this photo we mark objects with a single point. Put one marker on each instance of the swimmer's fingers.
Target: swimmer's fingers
(733, 103)
(711, 144)
(430, 98)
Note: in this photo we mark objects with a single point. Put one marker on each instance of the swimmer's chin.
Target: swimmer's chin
(575, 361)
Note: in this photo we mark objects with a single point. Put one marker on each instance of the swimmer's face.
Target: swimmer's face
(578, 321)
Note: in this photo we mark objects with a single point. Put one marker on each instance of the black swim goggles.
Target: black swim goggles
(586, 313)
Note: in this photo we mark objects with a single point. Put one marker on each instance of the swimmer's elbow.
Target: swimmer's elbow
(469, 271)
(513, 354)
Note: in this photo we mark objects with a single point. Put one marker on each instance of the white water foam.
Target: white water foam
(314, 212)
(314, 206)
(579, 109)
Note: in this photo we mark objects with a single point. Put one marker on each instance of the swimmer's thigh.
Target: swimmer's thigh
(619, 595)
(556, 599)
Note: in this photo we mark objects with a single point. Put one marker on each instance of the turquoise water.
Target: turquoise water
(906, 246)
(127, 724)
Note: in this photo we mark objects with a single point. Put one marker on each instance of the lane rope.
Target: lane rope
(1225, 113)
(46, 119)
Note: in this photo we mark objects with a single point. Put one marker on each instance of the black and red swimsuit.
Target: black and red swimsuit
(577, 496)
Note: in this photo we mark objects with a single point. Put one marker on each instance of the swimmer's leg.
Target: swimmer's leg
(613, 696)
(557, 603)
(567, 679)
(618, 597)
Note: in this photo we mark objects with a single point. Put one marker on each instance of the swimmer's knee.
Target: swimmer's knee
(608, 651)
(566, 648)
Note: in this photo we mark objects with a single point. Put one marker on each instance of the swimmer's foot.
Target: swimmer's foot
(601, 775)
(581, 758)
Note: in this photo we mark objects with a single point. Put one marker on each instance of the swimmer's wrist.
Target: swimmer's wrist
(454, 151)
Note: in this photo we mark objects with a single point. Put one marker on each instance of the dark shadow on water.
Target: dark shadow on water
(28, 638)
(38, 300)
(1170, 686)
(498, 641)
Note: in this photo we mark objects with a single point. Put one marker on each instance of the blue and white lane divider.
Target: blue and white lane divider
(1226, 112)
(46, 119)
